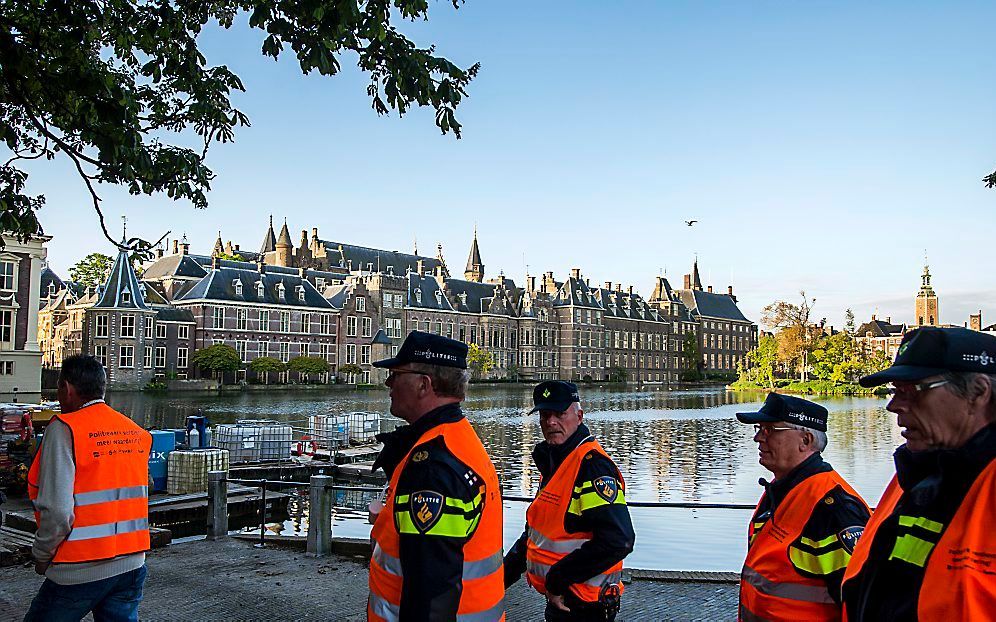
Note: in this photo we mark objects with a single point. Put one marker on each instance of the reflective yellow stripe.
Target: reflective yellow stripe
(822, 564)
(919, 521)
(591, 500)
(911, 549)
(466, 506)
(818, 544)
(449, 525)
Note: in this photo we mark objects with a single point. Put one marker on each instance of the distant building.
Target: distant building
(879, 335)
(926, 312)
(21, 265)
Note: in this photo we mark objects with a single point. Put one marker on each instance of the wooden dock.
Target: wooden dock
(15, 546)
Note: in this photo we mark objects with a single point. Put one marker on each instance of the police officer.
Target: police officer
(438, 538)
(578, 528)
(929, 551)
(807, 522)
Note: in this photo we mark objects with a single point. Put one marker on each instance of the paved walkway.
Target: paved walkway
(231, 580)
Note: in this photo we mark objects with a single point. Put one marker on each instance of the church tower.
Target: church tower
(475, 267)
(926, 302)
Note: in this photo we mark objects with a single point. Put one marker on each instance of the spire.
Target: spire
(416, 246)
(122, 289)
(475, 267)
(269, 240)
(442, 262)
(219, 246)
(284, 239)
(696, 280)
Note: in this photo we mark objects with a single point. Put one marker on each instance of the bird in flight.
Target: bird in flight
(690, 222)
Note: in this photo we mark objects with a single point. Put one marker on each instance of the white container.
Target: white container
(329, 431)
(186, 470)
(255, 440)
(363, 427)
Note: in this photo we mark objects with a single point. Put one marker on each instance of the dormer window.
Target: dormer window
(238, 287)
(300, 293)
(319, 283)
(125, 297)
(281, 290)
(259, 289)
(463, 298)
(439, 297)
(418, 295)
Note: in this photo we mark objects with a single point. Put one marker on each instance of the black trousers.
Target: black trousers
(580, 611)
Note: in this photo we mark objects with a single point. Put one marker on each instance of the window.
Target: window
(393, 326)
(160, 330)
(128, 326)
(125, 297)
(350, 353)
(399, 301)
(181, 358)
(218, 317)
(281, 290)
(325, 351)
(183, 332)
(241, 319)
(147, 358)
(6, 368)
(319, 283)
(326, 324)
(259, 289)
(238, 287)
(100, 327)
(160, 356)
(148, 325)
(364, 355)
(7, 270)
(285, 321)
(418, 295)
(367, 327)
(300, 293)
(240, 347)
(126, 357)
(284, 352)
(264, 348)
(264, 320)
(387, 301)
(100, 353)
(351, 326)
(305, 349)
(361, 303)
(305, 322)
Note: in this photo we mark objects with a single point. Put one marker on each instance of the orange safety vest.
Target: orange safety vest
(482, 597)
(549, 542)
(770, 587)
(960, 578)
(111, 489)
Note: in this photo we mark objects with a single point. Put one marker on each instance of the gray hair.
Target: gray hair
(960, 383)
(86, 374)
(820, 439)
(446, 381)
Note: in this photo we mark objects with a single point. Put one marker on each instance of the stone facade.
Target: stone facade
(21, 265)
(926, 311)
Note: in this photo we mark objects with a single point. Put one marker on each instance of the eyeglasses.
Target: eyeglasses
(912, 390)
(766, 431)
(394, 373)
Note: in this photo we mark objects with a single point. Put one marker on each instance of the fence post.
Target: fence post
(320, 516)
(217, 519)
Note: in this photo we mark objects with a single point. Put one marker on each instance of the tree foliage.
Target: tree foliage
(233, 257)
(92, 270)
(217, 358)
(267, 364)
(119, 86)
(617, 373)
(350, 369)
(793, 329)
(759, 369)
(480, 361)
(308, 365)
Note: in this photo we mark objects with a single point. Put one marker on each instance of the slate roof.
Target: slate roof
(121, 281)
(220, 284)
(65, 297)
(49, 277)
(381, 338)
(336, 295)
(474, 259)
(710, 305)
(269, 240)
(493, 298)
(175, 266)
(422, 293)
(576, 292)
(172, 314)
(362, 258)
(622, 304)
(878, 328)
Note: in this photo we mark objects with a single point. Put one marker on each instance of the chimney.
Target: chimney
(575, 273)
(888, 320)
(729, 292)
(176, 247)
(420, 267)
(531, 283)
(618, 287)
(159, 252)
(302, 272)
(873, 317)
(236, 247)
(587, 282)
(215, 262)
(688, 281)
(709, 289)
(608, 285)
(184, 248)
(630, 290)
(261, 265)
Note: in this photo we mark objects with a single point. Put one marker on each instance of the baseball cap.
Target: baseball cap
(430, 349)
(932, 350)
(555, 395)
(790, 409)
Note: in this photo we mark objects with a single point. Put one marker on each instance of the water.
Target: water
(670, 446)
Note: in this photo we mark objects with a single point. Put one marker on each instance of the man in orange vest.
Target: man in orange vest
(578, 528)
(929, 551)
(89, 487)
(807, 522)
(438, 537)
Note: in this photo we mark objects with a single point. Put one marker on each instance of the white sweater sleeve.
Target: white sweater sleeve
(56, 475)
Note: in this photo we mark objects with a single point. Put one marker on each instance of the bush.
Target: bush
(155, 386)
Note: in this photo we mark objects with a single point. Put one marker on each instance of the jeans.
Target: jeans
(114, 599)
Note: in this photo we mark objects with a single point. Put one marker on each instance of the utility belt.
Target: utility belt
(604, 610)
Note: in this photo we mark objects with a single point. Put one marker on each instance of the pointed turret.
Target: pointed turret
(219, 246)
(269, 240)
(122, 290)
(696, 281)
(284, 239)
(927, 307)
(475, 267)
(444, 271)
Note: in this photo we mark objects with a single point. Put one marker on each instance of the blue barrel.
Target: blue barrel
(163, 442)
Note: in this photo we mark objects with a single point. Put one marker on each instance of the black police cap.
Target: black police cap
(430, 349)
(931, 351)
(555, 395)
(790, 409)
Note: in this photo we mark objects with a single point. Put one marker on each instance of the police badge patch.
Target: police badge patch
(849, 537)
(425, 508)
(606, 487)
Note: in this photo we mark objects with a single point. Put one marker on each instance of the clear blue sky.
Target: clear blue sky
(821, 145)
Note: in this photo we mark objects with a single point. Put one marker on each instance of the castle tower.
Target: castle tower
(475, 267)
(927, 313)
(284, 248)
(269, 240)
(219, 246)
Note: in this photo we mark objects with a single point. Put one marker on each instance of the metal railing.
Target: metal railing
(321, 500)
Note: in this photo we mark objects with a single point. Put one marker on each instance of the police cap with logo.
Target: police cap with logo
(931, 351)
(555, 395)
(429, 349)
(789, 409)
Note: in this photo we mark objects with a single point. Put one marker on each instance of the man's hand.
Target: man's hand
(41, 567)
(557, 601)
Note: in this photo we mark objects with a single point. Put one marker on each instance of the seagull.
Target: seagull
(690, 222)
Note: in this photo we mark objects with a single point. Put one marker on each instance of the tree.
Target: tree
(617, 374)
(234, 257)
(350, 369)
(794, 331)
(849, 327)
(308, 365)
(266, 365)
(217, 358)
(760, 363)
(107, 82)
(690, 354)
(480, 361)
(92, 270)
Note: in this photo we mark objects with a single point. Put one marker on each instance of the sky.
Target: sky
(821, 146)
